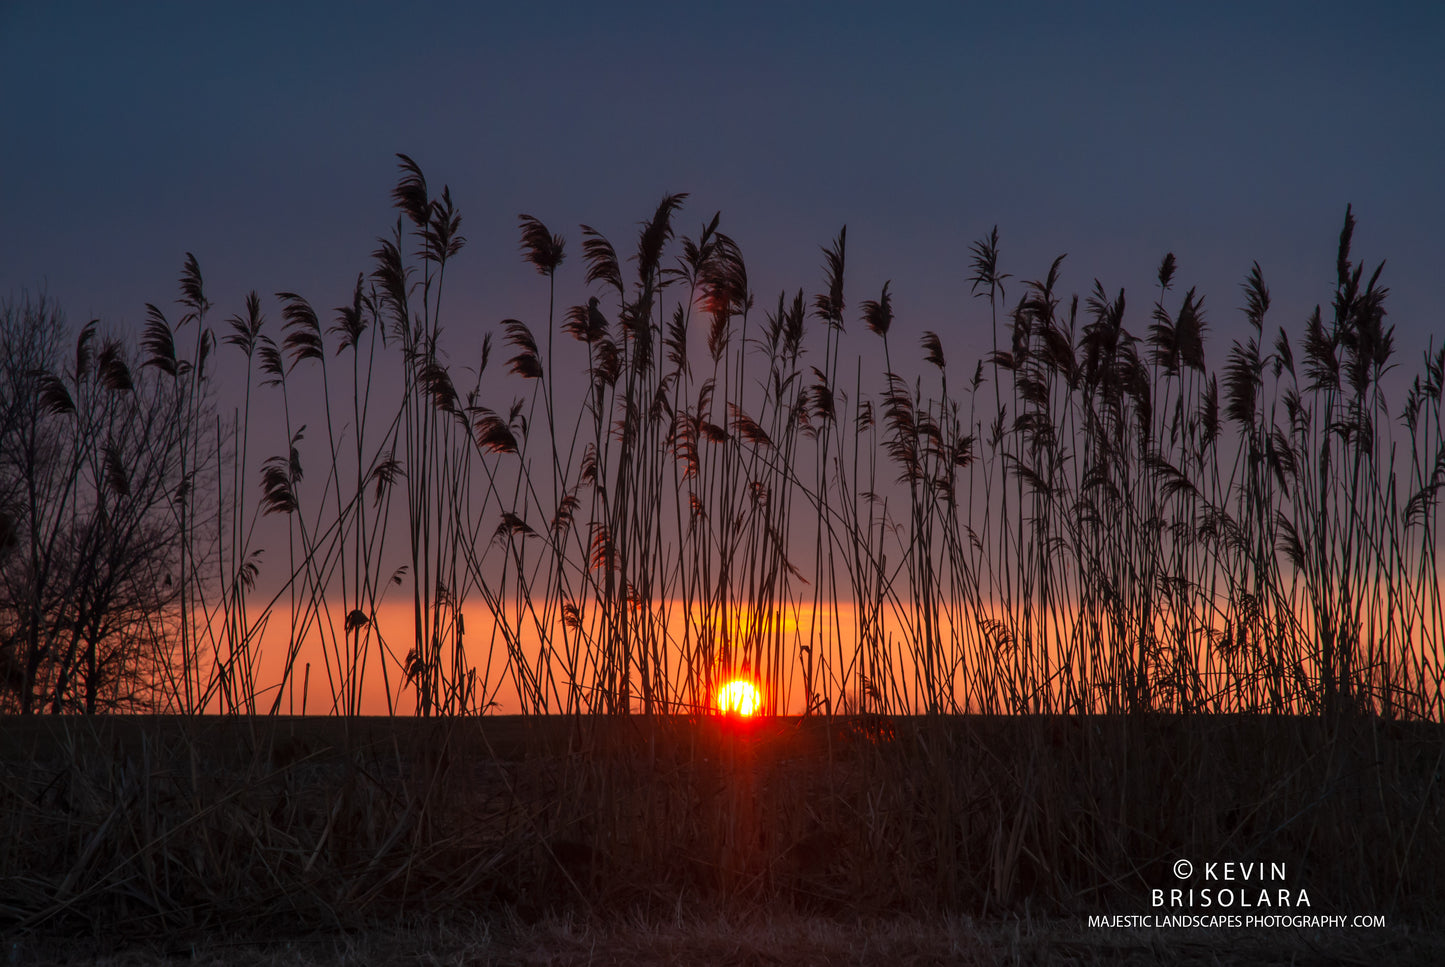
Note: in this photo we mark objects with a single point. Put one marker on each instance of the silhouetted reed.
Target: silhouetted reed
(1110, 526)
(659, 488)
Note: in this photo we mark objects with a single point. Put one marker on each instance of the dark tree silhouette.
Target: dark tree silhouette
(87, 531)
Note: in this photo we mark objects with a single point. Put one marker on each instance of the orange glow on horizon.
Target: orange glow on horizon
(738, 697)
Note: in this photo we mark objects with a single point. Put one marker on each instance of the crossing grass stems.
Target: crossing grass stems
(1092, 528)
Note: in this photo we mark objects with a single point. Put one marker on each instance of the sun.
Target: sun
(739, 697)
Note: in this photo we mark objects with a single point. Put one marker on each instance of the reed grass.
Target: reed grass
(1211, 592)
(1111, 526)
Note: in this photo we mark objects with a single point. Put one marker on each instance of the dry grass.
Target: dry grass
(671, 486)
(1207, 601)
(121, 829)
(758, 940)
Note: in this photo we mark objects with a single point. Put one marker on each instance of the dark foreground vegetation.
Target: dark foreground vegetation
(1057, 617)
(128, 828)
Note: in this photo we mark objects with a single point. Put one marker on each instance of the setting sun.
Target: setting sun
(738, 696)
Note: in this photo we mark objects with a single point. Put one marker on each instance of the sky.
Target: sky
(262, 138)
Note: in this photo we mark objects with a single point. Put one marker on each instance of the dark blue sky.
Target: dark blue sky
(262, 139)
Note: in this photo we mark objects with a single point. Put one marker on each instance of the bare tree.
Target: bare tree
(87, 535)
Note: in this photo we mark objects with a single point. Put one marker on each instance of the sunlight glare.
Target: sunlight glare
(738, 696)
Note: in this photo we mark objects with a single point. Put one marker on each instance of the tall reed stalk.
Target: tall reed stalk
(683, 492)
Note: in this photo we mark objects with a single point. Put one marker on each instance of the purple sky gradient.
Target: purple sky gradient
(262, 139)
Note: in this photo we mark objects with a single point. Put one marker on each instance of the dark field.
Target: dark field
(502, 836)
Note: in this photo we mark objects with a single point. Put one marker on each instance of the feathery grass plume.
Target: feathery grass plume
(675, 341)
(393, 275)
(637, 328)
(1243, 375)
(601, 259)
(1322, 365)
(436, 382)
(410, 194)
(493, 434)
(820, 394)
(245, 330)
(525, 364)
(713, 433)
(511, 525)
(192, 291)
(303, 330)
(723, 283)
(350, 322)
(272, 365)
(603, 555)
(110, 367)
(443, 237)
(53, 395)
(540, 247)
(1256, 298)
(608, 368)
(84, 353)
(1368, 344)
(1188, 332)
(748, 428)
(566, 510)
(986, 276)
(384, 474)
(878, 314)
(586, 323)
(933, 350)
(1209, 416)
(159, 342)
(902, 443)
(655, 234)
(1283, 355)
(1342, 260)
(697, 253)
(829, 305)
(1422, 503)
(1165, 275)
(682, 439)
(792, 322)
(277, 487)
